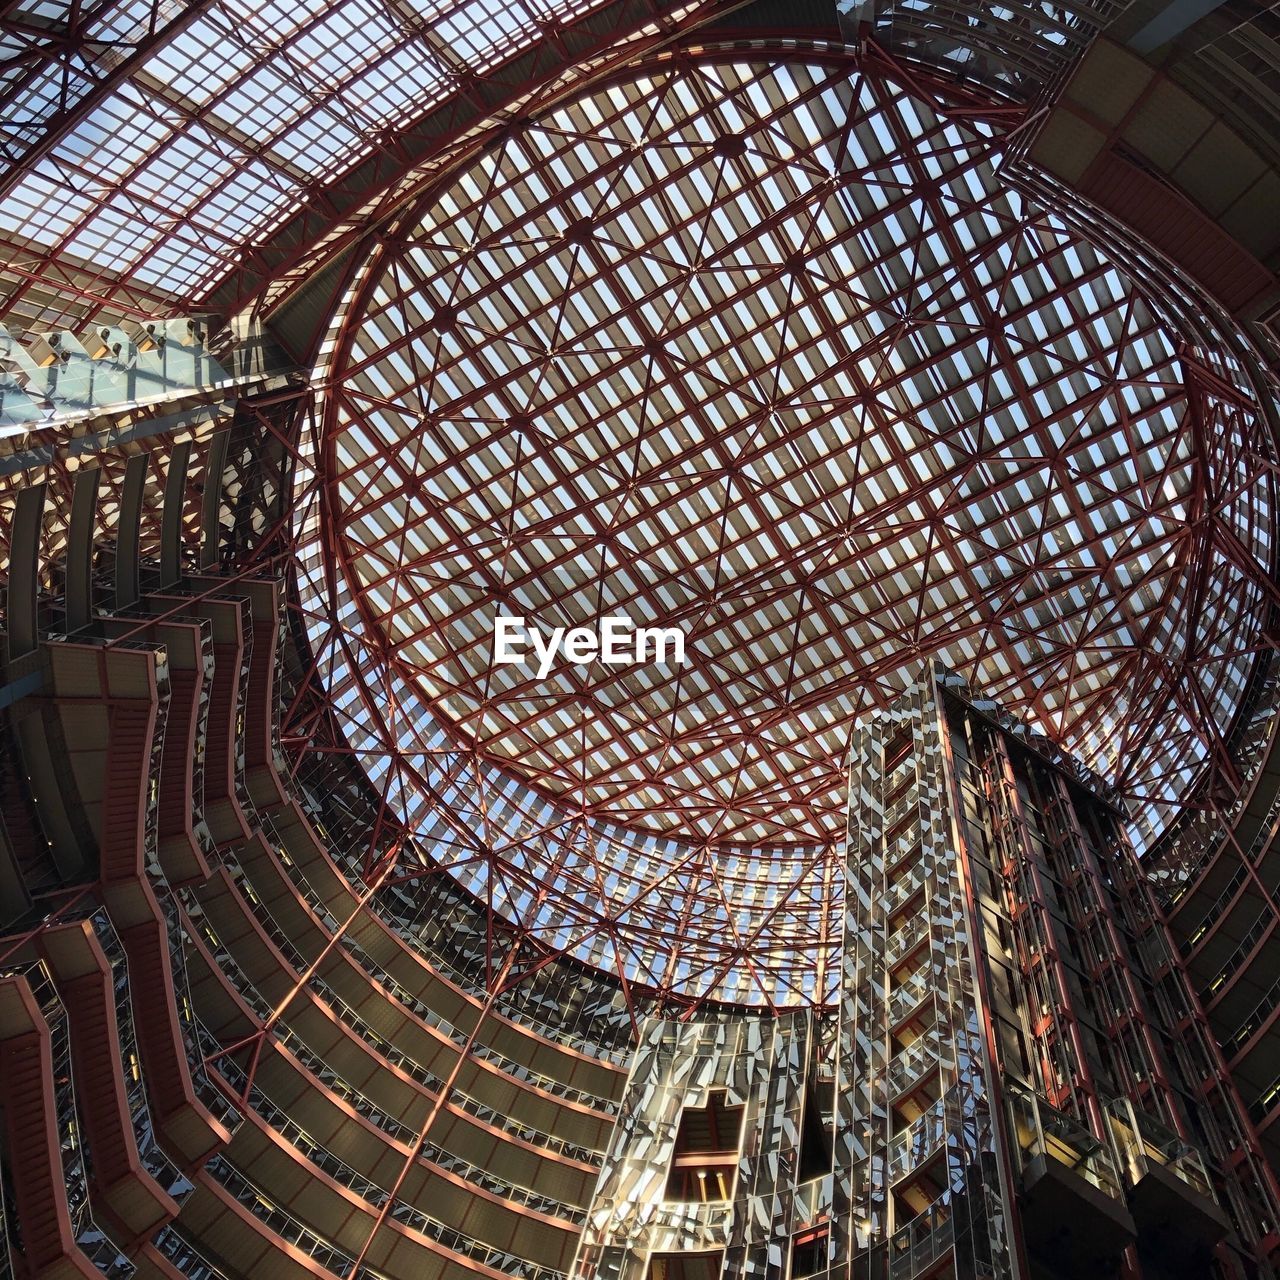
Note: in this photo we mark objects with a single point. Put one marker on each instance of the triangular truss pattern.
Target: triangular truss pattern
(770, 352)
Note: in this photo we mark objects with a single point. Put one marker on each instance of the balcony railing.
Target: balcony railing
(1239, 955)
(277, 1219)
(1181, 856)
(915, 931)
(285, 945)
(1220, 903)
(428, 1153)
(610, 1042)
(153, 1158)
(199, 827)
(922, 1241)
(375, 1196)
(350, 1018)
(213, 1098)
(917, 1143)
(910, 1066)
(188, 1260)
(76, 1168)
(352, 947)
(389, 1124)
(909, 994)
(1266, 1101)
(1254, 1020)
(1040, 1129)
(1143, 1141)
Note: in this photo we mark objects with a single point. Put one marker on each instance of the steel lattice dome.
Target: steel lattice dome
(771, 350)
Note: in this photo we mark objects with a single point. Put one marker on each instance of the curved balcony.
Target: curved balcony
(319, 1110)
(1191, 864)
(1260, 1017)
(1205, 846)
(154, 1159)
(184, 843)
(274, 968)
(1216, 995)
(281, 1226)
(264, 883)
(45, 1197)
(308, 863)
(131, 1180)
(1219, 938)
(399, 1251)
(404, 1090)
(186, 1259)
(374, 1196)
(495, 1122)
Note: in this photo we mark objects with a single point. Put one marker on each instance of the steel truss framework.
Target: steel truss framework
(773, 350)
(782, 951)
(151, 153)
(155, 154)
(124, 172)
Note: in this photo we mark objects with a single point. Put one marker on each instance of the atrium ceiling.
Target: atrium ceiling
(701, 314)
